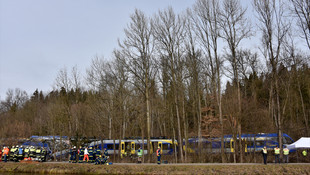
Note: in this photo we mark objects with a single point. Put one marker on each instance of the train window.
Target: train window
(192, 145)
(227, 144)
(208, 146)
(259, 143)
(137, 146)
(145, 147)
(110, 146)
(287, 140)
(165, 146)
(249, 143)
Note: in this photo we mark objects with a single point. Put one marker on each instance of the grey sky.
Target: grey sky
(40, 37)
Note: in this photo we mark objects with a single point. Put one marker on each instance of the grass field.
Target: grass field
(64, 168)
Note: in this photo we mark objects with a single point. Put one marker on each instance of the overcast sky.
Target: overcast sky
(40, 37)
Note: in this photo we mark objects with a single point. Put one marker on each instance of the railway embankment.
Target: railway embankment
(66, 168)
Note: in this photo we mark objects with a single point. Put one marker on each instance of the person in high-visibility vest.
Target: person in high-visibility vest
(277, 154)
(97, 151)
(15, 157)
(20, 153)
(158, 155)
(86, 155)
(91, 154)
(11, 155)
(26, 152)
(286, 152)
(32, 151)
(304, 153)
(1, 155)
(38, 154)
(81, 154)
(43, 154)
(264, 152)
(140, 154)
(6, 153)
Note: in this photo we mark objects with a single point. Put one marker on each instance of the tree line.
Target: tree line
(183, 75)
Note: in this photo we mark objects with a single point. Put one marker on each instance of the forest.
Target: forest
(182, 75)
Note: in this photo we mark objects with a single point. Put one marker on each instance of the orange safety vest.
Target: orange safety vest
(158, 152)
(6, 151)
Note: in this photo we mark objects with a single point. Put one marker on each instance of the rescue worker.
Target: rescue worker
(70, 154)
(264, 153)
(158, 153)
(38, 153)
(81, 154)
(32, 152)
(20, 153)
(304, 153)
(277, 154)
(74, 152)
(140, 154)
(86, 155)
(98, 160)
(105, 152)
(1, 155)
(286, 152)
(5, 153)
(26, 152)
(15, 156)
(11, 154)
(43, 154)
(91, 154)
(97, 152)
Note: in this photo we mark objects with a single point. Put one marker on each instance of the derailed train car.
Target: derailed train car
(130, 146)
(251, 143)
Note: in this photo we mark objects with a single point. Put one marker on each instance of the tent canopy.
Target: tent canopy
(303, 142)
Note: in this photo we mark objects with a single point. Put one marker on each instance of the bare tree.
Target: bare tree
(194, 71)
(169, 35)
(235, 27)
(14, 100)
(63, 80)
(138, 58)
(274, 28)
(207, 20)
(95, 74)
(301, 8)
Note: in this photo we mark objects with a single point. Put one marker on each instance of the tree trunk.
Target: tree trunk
(148, 124)
(185, 129)
(303, 109)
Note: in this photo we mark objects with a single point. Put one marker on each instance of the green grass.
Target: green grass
(65, 168)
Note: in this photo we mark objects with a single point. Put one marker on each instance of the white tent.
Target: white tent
(303, 142)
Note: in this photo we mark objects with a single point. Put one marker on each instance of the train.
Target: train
(129, 146)
(251, 142)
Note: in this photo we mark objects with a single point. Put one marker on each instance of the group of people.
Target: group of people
(277, 150)
(158, 155)
(18, 153)
(88, 155)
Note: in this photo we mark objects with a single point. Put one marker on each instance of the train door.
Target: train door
(160, 145)
(152, 147)
(133, 148)
(245, 145)
(232, 145)
(122, 147)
